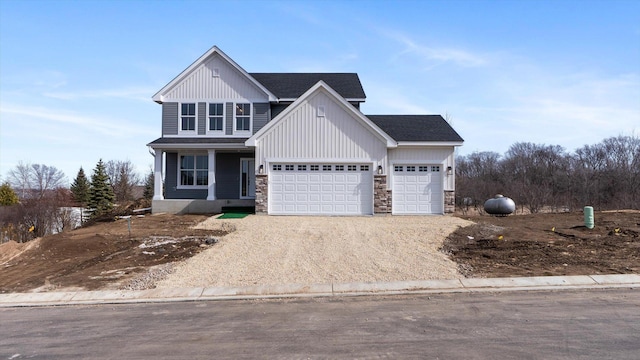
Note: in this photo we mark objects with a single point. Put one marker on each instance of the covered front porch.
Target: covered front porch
(191, 179)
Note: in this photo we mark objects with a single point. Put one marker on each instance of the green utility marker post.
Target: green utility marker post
(588, 217)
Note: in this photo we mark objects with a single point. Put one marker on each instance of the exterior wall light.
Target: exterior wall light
(261, 169)
(379, 169)
(449, 170)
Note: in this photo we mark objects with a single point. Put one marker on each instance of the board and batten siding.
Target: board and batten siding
(432, 155)
(203, 83)
(170, 118)
(337, 136)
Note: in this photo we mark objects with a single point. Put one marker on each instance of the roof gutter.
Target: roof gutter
(430, 143)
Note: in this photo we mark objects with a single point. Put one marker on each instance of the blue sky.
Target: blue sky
(76, 77)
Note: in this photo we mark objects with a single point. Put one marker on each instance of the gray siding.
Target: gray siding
(277, 109)
(229, 111)
(228, 174)
(171, 182)
(202, 118)
(260, 116)
(227, 177)
(170, 119)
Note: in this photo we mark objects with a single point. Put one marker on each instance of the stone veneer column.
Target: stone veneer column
(449, 201)
(262, 194)
(381, 196)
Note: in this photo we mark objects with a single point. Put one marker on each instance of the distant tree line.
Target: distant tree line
(34, 201)
(605, 175)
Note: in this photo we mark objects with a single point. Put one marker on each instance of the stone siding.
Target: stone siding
(449, 201)
(262, 194)
(381, 196)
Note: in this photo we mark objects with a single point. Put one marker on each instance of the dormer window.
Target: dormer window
(216, 117)
(243, 117)
(188, 117)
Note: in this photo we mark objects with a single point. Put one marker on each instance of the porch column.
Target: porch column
(157, 176)
(211, 195)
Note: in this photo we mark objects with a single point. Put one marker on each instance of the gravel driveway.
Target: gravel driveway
(270, 250)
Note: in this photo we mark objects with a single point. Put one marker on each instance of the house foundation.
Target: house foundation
(196, 206)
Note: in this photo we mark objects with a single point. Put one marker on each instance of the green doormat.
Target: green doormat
(233, 215)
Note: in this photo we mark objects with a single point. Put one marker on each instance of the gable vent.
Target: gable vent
(216, 72)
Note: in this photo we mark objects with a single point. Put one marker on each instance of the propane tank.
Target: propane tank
(500, 206)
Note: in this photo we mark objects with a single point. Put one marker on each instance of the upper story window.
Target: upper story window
(216, 117)
(194, 170)
(188, 117)
(243, 117)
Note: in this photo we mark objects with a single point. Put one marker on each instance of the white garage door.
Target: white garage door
(320, 189)
(417, 189)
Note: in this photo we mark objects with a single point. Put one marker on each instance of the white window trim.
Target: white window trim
(195, 129)
(191, 187)
(224, 120)
(251, 111)
(249, 172)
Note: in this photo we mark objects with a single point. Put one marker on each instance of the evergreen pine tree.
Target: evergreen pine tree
(7, 195)
(101, 194)
(81, 188)
(148, 186)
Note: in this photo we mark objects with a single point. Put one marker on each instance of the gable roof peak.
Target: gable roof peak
(158, 97)
(321, 86)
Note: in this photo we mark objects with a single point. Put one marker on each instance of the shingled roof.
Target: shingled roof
(197, 140)
(292, 85)
(416, 127)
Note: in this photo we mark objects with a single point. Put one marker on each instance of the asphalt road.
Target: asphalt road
(585, 324)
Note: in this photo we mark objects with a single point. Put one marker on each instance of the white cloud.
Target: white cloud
(110, 127)
(131, 93)
(303, 12)
(388, 99)
(433, 55)
(570, 110)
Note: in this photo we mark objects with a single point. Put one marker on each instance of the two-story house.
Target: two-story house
(294, 144)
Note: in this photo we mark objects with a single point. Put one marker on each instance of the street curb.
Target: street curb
(320, 290)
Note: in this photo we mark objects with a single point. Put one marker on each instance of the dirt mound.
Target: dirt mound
(12, 249)
(104, 255)
(547, 244)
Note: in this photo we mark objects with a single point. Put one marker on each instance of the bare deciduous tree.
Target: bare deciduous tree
(605, 175)
(123, 178)
(35, 180)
